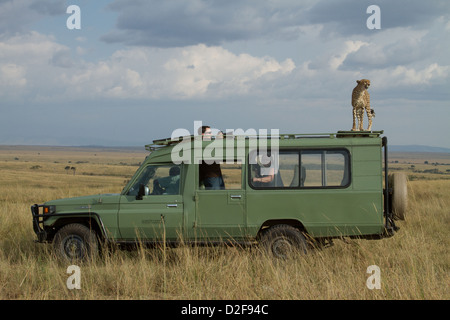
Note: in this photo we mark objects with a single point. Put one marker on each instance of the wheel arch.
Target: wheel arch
(290, 222)
(93, 221)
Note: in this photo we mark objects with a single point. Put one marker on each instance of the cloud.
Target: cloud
(199, 69)
(192, 72)
(12, 75)
(199, 72)
(348, 17)
(62, 58)
(133, 73)
(16, 15)
(178, 23)
(404, 76)
(397, 46)
(350, 47)
(183, 23)
(25, 59)
(49, 7)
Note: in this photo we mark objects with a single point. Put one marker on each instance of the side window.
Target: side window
(312, 164)
(299, 169)
(220, 176)
(232, 175)
(159, 180)
(271, 170)
(325, 168)
(337, 172)
(289, 169)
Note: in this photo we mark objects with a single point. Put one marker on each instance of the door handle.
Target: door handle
(235, 196)
(172, 205)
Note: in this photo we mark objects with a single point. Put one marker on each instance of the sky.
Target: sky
(137, 70)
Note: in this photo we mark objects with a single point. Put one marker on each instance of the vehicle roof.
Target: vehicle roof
(162, 148)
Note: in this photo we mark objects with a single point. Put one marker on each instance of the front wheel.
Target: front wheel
(283, 241)
(76, 242)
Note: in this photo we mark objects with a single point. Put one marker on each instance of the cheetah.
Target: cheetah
(361, 102)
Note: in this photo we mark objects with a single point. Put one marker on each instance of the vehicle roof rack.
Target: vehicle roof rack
(355, 134)
(162, 143)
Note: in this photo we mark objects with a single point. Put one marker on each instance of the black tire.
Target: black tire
(76, 242)
(283, 241)
(399, 198)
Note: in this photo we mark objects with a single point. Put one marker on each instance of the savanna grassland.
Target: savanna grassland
(414, 264)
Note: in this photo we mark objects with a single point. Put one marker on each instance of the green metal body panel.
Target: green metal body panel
(150, 218)
(355, 209)
(102, 208)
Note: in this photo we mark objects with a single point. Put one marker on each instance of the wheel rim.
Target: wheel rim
(74, 247)
(282, 247)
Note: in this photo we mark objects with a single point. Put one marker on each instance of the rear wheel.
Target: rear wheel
(283, 241)
(76, 242)
(399, 199)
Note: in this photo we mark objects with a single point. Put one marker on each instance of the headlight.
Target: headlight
(49, 209)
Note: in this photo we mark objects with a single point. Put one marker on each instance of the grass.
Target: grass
(414, 264)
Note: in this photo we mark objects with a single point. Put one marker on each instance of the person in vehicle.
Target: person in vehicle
(210, 175)
(168, 185)
(264, 173)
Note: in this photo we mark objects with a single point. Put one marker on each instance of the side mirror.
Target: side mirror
(143, 191)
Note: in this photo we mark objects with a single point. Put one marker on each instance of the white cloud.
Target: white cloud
(31, 47)
(396, 46)
(350, 47)
(25, 62)
(138, 72)
(12, 75)
(410, 76)
(199, 68)
(190, 72)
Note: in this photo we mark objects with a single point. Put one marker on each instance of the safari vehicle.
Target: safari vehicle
(322, 186)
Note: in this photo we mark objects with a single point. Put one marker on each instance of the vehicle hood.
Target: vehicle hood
(85, 203)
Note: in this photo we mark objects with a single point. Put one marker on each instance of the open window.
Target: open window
(220, 175)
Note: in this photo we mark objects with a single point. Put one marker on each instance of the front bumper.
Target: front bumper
(38, 222)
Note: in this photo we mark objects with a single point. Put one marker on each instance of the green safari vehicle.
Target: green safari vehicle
(282, 193)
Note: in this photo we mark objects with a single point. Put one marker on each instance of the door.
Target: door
(220, 207)
(158, 214)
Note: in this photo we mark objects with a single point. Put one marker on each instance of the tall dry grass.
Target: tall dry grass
(414, 263)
